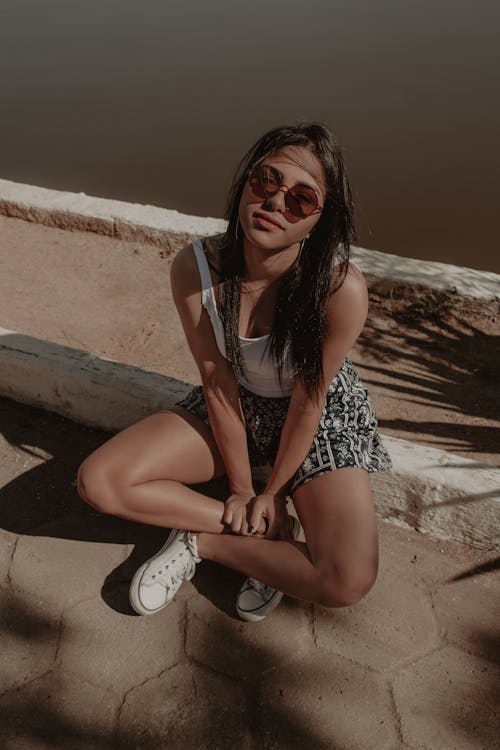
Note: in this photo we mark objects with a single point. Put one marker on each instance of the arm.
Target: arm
(219, 385)
(347, 310)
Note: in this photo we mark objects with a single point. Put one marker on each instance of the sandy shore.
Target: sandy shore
(431, 362)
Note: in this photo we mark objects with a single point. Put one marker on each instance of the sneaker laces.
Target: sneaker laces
(260, 588)
(170, 575)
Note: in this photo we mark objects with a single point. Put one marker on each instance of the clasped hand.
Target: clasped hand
(257, 515)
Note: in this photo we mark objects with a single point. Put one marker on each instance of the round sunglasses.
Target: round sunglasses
(301, 201)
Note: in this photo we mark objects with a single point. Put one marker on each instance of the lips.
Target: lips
(266, 222)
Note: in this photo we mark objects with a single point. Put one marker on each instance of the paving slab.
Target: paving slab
(473, 627)
(242, 650)
(61, 572)
(449, 700)
(30, 633)
(106, 648)
(56, 711)
(189, 707)
(372, 676)
(326, 703)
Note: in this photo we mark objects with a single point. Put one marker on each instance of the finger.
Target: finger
(236, 523)
(256, 515)
(227, 516)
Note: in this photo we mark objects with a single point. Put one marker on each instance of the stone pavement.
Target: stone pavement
(412, 667)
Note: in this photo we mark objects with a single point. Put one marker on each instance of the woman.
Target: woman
(270, 311)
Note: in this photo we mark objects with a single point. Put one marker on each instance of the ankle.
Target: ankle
(202, 544)
(192, 543)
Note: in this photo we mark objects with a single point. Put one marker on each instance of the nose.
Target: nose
(277, 200)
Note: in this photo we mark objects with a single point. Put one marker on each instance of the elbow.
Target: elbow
(220, 386)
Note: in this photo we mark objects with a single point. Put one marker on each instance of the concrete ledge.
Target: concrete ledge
(128, 221)
(441, 494)
(429, 490)
(169, 229)
(385, 271)
(79, 385)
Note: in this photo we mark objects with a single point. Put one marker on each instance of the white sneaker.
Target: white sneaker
(255, 600)
(157, 581)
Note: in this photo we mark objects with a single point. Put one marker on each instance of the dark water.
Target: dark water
(155, 101)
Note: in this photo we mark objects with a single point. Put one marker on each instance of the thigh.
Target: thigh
(338, 517)
(172, 444)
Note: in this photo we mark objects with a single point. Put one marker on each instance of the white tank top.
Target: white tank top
(260, 374)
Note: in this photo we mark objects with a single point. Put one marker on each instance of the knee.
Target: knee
(345, 590)
(95, 486)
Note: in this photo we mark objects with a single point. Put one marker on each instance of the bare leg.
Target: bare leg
(338, 563)
(140, 473)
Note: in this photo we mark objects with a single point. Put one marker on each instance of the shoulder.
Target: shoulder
(184, 258)
(353, 288)
(349, 303)
(185, 266)
(184, 274)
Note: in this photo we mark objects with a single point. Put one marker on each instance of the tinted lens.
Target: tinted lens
(264, 181)
(301, 201)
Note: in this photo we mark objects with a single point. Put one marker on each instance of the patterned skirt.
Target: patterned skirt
(347, 434)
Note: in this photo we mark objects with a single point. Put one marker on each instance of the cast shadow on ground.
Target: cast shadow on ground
(453, 364)
(43, 501)
(50, 707)
(277, 701)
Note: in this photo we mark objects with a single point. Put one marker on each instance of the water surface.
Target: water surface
(155, 102)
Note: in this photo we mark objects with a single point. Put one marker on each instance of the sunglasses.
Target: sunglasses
(301, 201)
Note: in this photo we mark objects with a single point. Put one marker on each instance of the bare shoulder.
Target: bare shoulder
(353, 288)
(349, 304)
(184, 261)
(184, 275)
(184, 270)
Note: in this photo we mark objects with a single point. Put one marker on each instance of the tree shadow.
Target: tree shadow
(33, 709)
(477, 570)
(50, 707)
(43, 500)
(443, 362)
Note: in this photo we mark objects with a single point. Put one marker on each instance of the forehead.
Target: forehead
(299, 163)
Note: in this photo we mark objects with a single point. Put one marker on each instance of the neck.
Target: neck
(263, 265)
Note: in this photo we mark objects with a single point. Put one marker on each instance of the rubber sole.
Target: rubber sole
(133, 594)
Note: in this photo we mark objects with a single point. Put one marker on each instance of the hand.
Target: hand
(271, 508)
(236, 512)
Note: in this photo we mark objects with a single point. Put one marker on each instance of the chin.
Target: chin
(266, 241)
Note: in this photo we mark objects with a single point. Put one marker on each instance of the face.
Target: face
(272, 222)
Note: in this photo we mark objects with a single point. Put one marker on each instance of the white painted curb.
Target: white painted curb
(79, 385)
(167, 228)
(440, 493)
(128, 221)
(430, 490)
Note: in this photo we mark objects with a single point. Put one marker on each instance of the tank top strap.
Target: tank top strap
(207, 294)
(205, 277)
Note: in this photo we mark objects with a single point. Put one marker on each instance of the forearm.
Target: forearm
(296, 439)
(228, 427)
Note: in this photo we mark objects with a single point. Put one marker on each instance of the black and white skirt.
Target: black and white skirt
(347, 434)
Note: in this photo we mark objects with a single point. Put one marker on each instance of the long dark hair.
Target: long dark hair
(300, 324)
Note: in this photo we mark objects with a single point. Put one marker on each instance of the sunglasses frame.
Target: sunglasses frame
(283, 188)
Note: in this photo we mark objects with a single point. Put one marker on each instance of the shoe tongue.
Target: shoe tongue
(258, 585)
